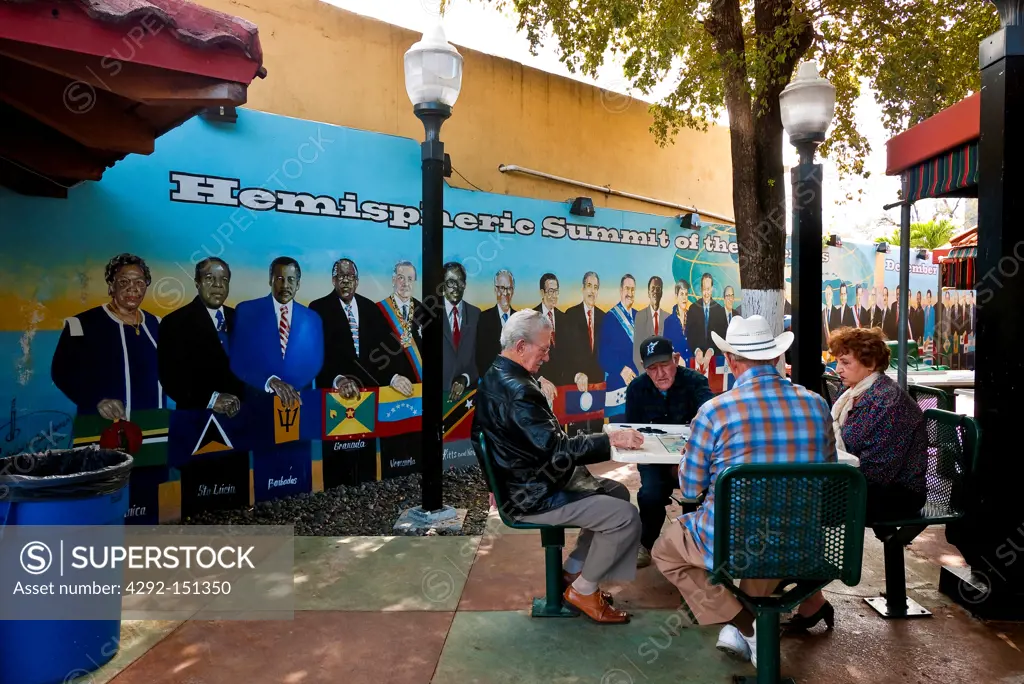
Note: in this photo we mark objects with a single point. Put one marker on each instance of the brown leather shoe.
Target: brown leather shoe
(570, 577)
(595, 607)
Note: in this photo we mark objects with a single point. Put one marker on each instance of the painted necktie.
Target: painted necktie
(590, 325)
(283, 330)
(551, 317)
(353, 324)
(456, 331)
(222, 329)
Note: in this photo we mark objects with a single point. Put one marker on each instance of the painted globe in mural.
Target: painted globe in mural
(691, 265)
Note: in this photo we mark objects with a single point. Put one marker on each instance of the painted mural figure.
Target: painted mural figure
(193, 353)
(278, 344)
(554, 370)
(460, 326)
(277, 347)
(929, 324)
(353, 329)
(888, 319)
(846, 313)
(403, 315)
(704, 317)
(583, 324)
(729, 296)
(675, 324)
(651, 319)
(106, 357)
(616, 350)
(492, 321)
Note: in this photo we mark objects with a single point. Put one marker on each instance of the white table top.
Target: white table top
(950, 378)
(655, 451)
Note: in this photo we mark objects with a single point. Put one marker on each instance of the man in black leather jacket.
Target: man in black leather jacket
(540, 471)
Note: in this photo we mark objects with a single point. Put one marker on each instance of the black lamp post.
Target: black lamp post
(990, 536)
(807, 106)
(433, 79)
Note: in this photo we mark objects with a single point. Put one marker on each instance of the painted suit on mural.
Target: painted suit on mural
(583, 324)
(460, 326)
(403, 314)
(277, 347)
(675, 324)
(492, 321)
(106, 358)
(555, 371)
(649, 320)
(616, 350)
(355, 333)
(704, 317)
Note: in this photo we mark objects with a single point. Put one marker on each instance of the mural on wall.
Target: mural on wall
(249, 295)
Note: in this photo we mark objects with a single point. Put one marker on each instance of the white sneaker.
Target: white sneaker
(733, 643)
(752, 645)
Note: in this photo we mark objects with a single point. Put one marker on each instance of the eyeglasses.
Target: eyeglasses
(503, 289)
(346, 278)
(551, 291)
(454, 283)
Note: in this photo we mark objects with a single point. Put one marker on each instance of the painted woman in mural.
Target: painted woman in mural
(106, 360)
(675, 323)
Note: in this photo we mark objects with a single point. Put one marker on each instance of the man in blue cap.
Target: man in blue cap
(664, 394)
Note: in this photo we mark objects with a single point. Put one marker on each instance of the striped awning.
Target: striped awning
(948, 173)
(969, 252)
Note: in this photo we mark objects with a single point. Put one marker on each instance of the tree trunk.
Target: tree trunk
(759, 193)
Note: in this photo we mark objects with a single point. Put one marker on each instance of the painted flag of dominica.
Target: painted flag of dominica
(154, 423)
(458, 416)
(349, 418)
(398, 414)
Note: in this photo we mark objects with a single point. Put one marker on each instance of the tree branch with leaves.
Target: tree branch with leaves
(736, 57)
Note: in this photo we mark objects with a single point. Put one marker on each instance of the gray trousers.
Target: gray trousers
(609, 532)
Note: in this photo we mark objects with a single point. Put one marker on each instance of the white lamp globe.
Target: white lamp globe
(433, 69)
(807, 104)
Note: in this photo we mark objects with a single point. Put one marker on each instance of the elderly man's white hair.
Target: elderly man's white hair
(523, 325)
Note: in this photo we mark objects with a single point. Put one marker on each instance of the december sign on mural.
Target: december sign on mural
(249, 296)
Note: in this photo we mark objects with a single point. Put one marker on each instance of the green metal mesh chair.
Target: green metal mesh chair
(802, 524)
(552, 538)
(952, 457)
(931, 398)
(831, 387)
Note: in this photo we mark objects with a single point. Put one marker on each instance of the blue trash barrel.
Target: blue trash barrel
(58, 488)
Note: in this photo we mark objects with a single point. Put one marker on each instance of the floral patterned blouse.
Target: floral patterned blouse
(885, 429)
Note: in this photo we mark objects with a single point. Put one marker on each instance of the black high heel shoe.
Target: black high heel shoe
(799, 623)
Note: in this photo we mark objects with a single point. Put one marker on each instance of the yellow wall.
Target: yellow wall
(326, 64)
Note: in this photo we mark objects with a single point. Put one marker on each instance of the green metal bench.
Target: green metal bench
(802, 524)
(552, 538)
(931, 398)
(952, 457)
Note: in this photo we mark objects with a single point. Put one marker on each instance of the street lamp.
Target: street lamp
(807, 106)
(433, 79)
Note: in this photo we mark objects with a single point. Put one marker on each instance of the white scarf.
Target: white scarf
(845, 402)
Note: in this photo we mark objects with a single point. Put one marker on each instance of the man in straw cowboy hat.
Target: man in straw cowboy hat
(763, 419)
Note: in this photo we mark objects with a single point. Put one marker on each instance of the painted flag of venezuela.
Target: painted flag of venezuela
(398, 414)
(349, 418)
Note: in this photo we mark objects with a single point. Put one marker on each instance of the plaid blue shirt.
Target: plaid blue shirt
(763, 419)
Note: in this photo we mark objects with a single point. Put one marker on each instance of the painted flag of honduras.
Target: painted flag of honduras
(349, 418)
(573, 406)
(398, 414)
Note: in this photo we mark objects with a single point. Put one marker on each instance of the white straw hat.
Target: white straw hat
(752, 338)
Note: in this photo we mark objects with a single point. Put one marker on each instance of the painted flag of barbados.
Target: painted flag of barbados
(398, 414)
(349, 418)
(458, 416)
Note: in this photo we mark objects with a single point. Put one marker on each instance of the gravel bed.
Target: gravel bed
(369, 509)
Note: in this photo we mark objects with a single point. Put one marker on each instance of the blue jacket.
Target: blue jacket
(256, 348)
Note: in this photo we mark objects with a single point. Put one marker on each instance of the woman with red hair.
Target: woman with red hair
(880, 423)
